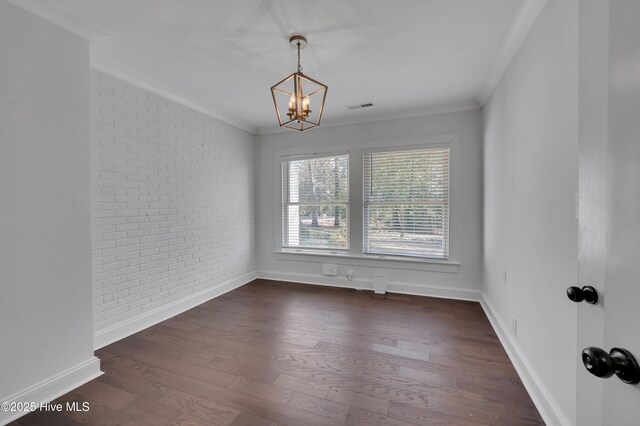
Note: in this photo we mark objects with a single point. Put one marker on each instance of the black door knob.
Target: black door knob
(586, 293)
(618, 361)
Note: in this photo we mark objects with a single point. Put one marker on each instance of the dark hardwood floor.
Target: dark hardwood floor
(272, 353)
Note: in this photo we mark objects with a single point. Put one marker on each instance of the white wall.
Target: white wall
(172, 207)
(462, 281)
(45, 242)
(530, 230)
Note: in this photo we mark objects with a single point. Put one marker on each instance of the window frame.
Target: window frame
(355, 147)
(285, 201)
(394, 149)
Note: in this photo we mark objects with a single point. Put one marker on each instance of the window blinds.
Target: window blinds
(315, 202)
(406, 203)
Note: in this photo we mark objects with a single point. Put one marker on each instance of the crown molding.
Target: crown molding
(524, 20)
(469, 105)
(53, 12)
(119, 71)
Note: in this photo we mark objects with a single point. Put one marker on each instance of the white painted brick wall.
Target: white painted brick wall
(172, 201)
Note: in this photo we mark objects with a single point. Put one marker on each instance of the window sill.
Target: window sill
(392, 262)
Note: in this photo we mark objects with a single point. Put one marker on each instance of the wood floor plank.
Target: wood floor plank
(427, 376)
(486, 413)
(261, 390)
(108, 395)
(475, 365)
(361, 385)
(424, 416)
(430, 348)
(319, 406)
(150, 413)
(245, 368)
(133, 384)
(246, 419)
(499, 391)
(188, 420)
(205, 410)
(308, 387)
(285, 354)
(360, 417)
(359, 400)
(402, 352)
(422, 388)
(39, 418)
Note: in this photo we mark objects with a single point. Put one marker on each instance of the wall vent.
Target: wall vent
(360, 106)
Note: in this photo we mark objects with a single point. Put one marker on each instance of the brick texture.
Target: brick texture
(172, 201)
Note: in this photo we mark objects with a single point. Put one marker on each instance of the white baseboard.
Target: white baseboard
(550, 411)
(53, 387)
(434, 291)
(126, 328)
(367, 284)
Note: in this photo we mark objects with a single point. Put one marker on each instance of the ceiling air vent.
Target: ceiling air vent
(360, 106)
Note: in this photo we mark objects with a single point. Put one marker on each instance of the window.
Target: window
(406, 203)
(315, 202)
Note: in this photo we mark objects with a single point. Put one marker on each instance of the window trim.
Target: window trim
(284, 192)
(449, 224)
(391, 262)
(356, 147)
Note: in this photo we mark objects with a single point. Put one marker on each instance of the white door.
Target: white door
(609, 202)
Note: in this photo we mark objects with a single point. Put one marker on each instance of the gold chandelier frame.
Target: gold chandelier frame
(299, 113)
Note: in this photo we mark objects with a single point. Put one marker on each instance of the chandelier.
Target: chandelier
(300, 96)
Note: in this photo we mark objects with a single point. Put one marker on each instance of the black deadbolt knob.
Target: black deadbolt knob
(597, 362)
(618, 361)
(586, 293)
(590, 294)
(626, 366)
(575, 294)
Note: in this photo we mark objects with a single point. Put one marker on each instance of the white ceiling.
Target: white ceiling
(408, 57)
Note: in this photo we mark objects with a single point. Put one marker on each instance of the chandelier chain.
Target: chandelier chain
(299, 66)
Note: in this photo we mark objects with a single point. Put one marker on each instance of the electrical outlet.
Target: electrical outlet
(349, 274)
(504, 276)
(514, 326)
(329, 269)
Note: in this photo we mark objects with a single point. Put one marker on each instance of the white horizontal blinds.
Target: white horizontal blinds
(315, 202)
(406, 203)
